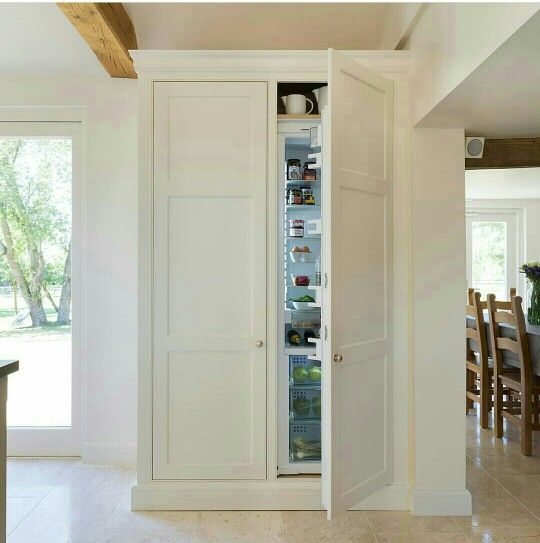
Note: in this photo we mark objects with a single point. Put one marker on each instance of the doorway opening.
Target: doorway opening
(39, 169)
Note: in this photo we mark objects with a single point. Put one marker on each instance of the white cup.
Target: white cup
(295, 104)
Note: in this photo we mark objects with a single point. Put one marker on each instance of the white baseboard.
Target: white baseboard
(252, 495)
(441, 502)
(226, 496)
(394, 497)
(109, 453)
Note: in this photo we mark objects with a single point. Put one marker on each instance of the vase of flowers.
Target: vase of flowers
(532, 272)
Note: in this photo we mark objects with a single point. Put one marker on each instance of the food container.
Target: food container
(296, 228)
(301, 306)
(294, 170)
(300, 280)
(307, 196)
(301, 256)
(309, 174)
(294, 197)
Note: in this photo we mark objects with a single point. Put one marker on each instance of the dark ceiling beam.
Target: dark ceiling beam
(507, 153)
(109, 32)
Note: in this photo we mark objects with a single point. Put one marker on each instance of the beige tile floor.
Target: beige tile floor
(61, 500)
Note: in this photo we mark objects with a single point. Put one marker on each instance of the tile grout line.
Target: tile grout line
(38, 502)
(114, 509)
(502, 486)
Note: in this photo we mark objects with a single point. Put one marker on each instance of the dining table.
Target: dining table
(509, 358)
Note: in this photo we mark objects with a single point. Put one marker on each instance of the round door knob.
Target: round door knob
(259, 343)
(338, 358)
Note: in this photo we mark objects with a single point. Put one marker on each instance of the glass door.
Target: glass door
(492, 252)
(39, 284)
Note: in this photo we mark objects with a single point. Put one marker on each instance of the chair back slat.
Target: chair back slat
(505, 317)
(508, 344)
(471, 311)
(505, 305)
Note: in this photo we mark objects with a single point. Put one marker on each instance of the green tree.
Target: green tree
(35, 220)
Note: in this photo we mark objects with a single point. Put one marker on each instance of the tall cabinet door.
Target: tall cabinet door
(209, 287)
(357, 301)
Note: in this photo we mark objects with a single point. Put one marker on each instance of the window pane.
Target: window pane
(35, 277)
(489, 255)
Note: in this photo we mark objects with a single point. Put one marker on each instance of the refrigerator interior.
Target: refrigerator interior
(300, 321)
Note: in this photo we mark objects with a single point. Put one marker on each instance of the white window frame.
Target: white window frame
(69, 122)
(515, 242)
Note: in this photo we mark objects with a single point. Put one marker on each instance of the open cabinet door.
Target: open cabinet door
(357, 297)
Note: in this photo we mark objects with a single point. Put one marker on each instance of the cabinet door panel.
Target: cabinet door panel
(357, 302)
(209, 388)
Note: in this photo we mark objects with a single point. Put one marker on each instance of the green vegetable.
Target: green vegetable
(314, 374)
(300, 374)
(304, 447)
(305, 298)
(301, 406)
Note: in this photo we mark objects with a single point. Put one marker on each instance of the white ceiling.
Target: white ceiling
(511, 184)
(501, 98)
(258, 25)
(38, 39)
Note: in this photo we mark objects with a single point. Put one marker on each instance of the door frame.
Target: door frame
(60, 441)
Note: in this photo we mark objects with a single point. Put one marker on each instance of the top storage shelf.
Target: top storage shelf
(295, 117)
(300, 99)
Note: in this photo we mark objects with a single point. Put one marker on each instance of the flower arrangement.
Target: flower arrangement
(532, 272)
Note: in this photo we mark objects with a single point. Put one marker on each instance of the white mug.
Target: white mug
(296, 104)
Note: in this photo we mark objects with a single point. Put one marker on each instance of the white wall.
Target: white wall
(111, 250)
(439, 282)
(449, 41)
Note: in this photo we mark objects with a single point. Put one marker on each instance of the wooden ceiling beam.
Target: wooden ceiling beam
(109, 32)
(507, 153)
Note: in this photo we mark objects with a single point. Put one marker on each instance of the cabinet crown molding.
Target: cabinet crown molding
(169, 61)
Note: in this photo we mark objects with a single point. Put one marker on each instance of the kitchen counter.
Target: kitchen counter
(6, 367)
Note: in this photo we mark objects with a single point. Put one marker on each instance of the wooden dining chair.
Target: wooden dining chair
(501, 304)
(523, 385)
(479, 380)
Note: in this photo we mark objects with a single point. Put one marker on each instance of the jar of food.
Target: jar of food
(296, 228)
(309, 174)
(294, 197)
(294, 169)
(307, 196)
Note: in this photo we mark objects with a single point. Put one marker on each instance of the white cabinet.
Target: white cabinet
(209, 323)
(209, 314)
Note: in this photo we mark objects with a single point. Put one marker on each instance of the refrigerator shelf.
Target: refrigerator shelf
(304, 386)
(292, 351)
(307, 420)
(304, 207)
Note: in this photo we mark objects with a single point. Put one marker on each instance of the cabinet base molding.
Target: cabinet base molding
(441, 502)
(286, 495)
(226, 496)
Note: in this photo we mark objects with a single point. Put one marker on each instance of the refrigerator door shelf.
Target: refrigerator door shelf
(318, 161)
(317, 296)
(318, 353)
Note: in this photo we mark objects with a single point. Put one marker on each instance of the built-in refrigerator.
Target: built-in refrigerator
(299, 298)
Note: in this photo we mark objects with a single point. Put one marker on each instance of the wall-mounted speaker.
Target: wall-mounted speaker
(474, 147)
